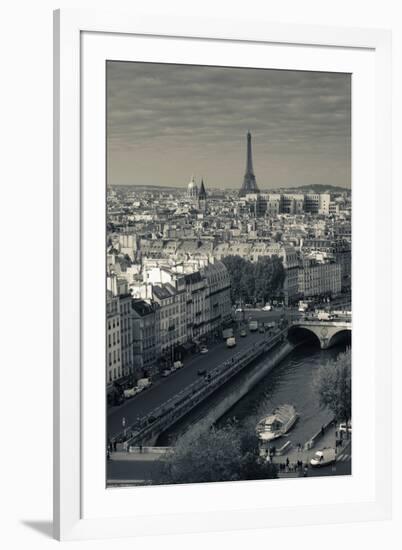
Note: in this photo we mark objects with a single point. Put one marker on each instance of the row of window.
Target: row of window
(115, 375)
(116, 340)
(115, 323)
(116, 357)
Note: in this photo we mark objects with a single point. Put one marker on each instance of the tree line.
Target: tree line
(333, 385)
(228, 453)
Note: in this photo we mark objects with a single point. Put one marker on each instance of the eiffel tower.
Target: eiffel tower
(249, 183)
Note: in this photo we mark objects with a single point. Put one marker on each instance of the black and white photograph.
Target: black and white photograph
(228, 274)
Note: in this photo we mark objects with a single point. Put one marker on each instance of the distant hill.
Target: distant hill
(315, 188)
(149, 187)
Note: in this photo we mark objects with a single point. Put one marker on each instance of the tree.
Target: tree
(269, 278)
(333, 385)
(217, 454)
(254, 282)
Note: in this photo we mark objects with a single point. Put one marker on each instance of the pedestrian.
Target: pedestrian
(322, 431)
(287, 462)
(114, 445)
(141, 448)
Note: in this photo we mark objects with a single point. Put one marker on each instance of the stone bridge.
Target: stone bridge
(327, 332)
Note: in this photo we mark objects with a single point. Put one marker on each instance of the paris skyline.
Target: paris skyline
(167, 122)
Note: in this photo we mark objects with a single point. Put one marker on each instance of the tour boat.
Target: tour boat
(278, 423)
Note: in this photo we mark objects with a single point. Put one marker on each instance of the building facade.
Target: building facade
(319, 278)
(146, 336)
(217, 299)
(172, 314)
(126, 335)
(113, 347)
(197, 306)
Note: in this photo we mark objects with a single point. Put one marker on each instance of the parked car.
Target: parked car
(323, 457)
(166, 372)
(267, 307)
(243, 333)
(253, 325)
(201, 372)
(130, 392)
(238, 310)
(144, 383)
(204, 349)
(231, 342)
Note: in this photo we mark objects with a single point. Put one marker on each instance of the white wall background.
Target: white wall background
(26, 273)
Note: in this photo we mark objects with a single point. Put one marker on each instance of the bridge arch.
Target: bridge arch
(298, 334)
(340, 336)
(327, 334)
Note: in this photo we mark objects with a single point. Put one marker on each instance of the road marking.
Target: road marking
(344, 458)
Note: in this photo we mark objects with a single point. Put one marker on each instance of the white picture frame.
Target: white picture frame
(83, 507)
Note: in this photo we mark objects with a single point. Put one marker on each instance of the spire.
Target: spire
(202, 197)
(249, 182)
(202, 193)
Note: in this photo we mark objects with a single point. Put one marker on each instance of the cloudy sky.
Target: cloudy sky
(167, 122)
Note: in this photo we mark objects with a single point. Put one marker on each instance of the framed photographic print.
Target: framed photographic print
(220, 216)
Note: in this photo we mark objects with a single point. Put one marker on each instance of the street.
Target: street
(267, 316)
(144, 467)
(166, 388)
(342, 467)
(140, 470)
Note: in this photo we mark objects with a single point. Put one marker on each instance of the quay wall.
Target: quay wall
(238, 390)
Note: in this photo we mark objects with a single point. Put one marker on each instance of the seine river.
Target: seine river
(289, 382)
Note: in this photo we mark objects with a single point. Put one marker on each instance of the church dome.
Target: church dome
(192, 189)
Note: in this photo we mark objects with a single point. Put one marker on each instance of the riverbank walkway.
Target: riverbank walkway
(292, 462)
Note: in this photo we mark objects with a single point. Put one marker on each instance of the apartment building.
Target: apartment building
(113, 339)
(146, 336)
(319, 278)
